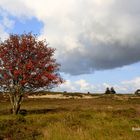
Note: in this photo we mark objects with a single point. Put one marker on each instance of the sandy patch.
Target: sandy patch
(60, 96)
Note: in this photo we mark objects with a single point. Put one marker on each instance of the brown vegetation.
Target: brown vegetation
(106, 117)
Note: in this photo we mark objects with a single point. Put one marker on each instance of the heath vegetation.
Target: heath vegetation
(106, 117)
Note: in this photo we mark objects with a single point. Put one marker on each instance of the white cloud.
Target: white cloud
(84, 86)
(16, 8)
(76, 86)
(88, 35)
(3, 34)
(5, 23)
(133, 84)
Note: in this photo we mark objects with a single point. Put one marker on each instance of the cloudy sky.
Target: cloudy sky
(97, 41)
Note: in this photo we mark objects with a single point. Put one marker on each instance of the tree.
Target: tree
(112, 90)
(107, 91)
(26, 65)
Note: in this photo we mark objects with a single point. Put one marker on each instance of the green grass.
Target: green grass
(102, 118)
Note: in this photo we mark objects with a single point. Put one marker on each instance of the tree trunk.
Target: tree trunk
(15, 109)
(16, 103)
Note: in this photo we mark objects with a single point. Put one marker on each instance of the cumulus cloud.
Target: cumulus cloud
(5, 24)
(88, 35)
(129, 86)
(16, 8)
(77, 86)
(3, 34)
(133, 84)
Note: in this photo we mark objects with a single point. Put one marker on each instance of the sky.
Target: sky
(97, 42)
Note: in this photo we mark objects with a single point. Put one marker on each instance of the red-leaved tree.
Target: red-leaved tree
(26, 65)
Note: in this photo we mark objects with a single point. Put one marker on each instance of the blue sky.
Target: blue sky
(95, 41)
(31, 25)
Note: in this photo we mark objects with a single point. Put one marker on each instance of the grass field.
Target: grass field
(105, 117)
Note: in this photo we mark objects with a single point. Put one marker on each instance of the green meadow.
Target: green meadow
(103, 117)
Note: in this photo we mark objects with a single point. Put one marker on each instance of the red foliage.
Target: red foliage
(23, 82)
(17, 72)
(24, 61)
(29, 65)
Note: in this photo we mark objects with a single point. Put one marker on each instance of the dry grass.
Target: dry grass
(106, 117)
